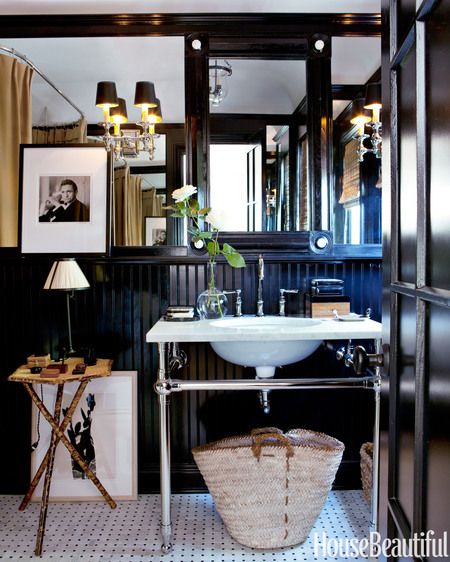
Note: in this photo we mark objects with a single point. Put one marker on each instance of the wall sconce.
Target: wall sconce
(115, 114)
(218, 82)
(361, 118)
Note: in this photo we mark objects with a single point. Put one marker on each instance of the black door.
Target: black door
(415, 471)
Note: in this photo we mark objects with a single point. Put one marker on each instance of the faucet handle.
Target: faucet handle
(238, 304)
(282, 301)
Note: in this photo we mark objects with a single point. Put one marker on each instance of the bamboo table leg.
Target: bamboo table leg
(74, 453)
(48, 474)
(63, 427)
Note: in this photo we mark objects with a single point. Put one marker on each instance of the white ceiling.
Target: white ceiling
(185, 6)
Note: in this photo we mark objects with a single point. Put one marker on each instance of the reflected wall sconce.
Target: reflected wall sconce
(218, 82)
(66, 275)
(115, 114)
(362, 117)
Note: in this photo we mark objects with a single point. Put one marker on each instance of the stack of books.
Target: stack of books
(327, 287)
(180, 313)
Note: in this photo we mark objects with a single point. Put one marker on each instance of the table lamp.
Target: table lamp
(66, 275)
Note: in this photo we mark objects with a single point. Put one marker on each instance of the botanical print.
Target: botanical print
(81, 438)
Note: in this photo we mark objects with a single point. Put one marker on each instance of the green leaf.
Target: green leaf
(205, 234)
(212, 247)
(235, 259)
(204, 211)
(227, 249)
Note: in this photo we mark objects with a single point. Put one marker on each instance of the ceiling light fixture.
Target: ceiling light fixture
(115, 114)
(218, 82)
(361, 118)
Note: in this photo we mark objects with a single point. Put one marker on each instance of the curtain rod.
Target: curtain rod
(27, 61)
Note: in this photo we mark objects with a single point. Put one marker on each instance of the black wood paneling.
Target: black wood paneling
(125, 299)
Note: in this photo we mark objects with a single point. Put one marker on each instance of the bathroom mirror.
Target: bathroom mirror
(268, 96)
(277, 197)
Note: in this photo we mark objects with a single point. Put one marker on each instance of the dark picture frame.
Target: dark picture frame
(64, 199)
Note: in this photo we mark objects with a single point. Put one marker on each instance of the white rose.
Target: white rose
(216, 219)
(183, 193)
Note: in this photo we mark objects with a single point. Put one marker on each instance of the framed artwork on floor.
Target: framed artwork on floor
(104, 431)
(64, 199)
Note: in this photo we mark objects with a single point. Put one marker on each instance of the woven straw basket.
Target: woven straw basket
(366, 453)
(269, 487)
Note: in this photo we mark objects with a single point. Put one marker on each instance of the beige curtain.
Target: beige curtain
(127, 208)
(350, 177)
(152, 204)
(71, 133)
(15, 128)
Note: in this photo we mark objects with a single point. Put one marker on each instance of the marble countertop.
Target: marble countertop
(273, 328)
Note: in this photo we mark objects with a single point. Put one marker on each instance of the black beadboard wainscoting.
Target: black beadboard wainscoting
(127, 296)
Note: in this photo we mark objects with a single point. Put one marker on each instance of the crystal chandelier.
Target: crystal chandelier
(361, 118)
(115, 114)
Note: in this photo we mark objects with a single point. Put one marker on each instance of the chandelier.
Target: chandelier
(115, 114)
(362, 117)
(218, 82)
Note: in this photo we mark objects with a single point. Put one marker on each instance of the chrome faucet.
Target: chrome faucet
(259, 301)
(282, 301)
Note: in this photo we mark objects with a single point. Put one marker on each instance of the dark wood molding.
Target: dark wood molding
(223, 24)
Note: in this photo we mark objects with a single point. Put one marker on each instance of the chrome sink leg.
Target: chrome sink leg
(164, 443)
(264, 400)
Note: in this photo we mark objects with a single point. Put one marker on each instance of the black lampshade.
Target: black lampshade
(359, 112)
(145, 94)
(106, 95)
(120, 110)
(373, 96)
(155, 112)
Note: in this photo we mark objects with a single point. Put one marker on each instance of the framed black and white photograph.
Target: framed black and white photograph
(155, 231)
(64, 199)
(106, 419)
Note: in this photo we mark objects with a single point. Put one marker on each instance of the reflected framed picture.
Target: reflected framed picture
(106, 419)
(64, 199)
(155, 231)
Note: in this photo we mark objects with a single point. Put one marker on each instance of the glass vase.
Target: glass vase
(213, 302)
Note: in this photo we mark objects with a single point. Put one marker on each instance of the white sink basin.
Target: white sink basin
(265, 354)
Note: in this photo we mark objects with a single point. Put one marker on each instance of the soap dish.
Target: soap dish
(351, 318)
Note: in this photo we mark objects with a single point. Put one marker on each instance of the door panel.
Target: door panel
(416, 245)
(438, 57)
(438, 452)
(406, 76)
(406, 413)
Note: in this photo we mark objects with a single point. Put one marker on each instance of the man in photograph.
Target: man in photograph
(70, 209)
(63, 205)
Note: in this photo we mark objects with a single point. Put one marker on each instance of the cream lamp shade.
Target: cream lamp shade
(66, 275)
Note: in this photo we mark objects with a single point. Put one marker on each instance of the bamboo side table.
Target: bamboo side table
(24, 376)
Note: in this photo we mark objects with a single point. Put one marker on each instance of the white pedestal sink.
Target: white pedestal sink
(269, 350)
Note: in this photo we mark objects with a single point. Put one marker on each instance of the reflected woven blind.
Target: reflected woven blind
(304, 192)
(350, 178)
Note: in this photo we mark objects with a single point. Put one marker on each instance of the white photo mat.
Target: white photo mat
(114, 433)
(69, 161)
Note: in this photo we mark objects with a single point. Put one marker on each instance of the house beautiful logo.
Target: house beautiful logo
(421, 545)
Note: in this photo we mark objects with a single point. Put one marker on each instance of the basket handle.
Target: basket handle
(259, 438)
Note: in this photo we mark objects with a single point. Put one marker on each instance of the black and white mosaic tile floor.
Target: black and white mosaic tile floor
(92, 532)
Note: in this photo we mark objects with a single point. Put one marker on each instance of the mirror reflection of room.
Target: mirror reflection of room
(138, 198)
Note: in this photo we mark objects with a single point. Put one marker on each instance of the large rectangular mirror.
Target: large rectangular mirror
(268, 110)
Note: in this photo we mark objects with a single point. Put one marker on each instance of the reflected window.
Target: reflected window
(235, 186)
